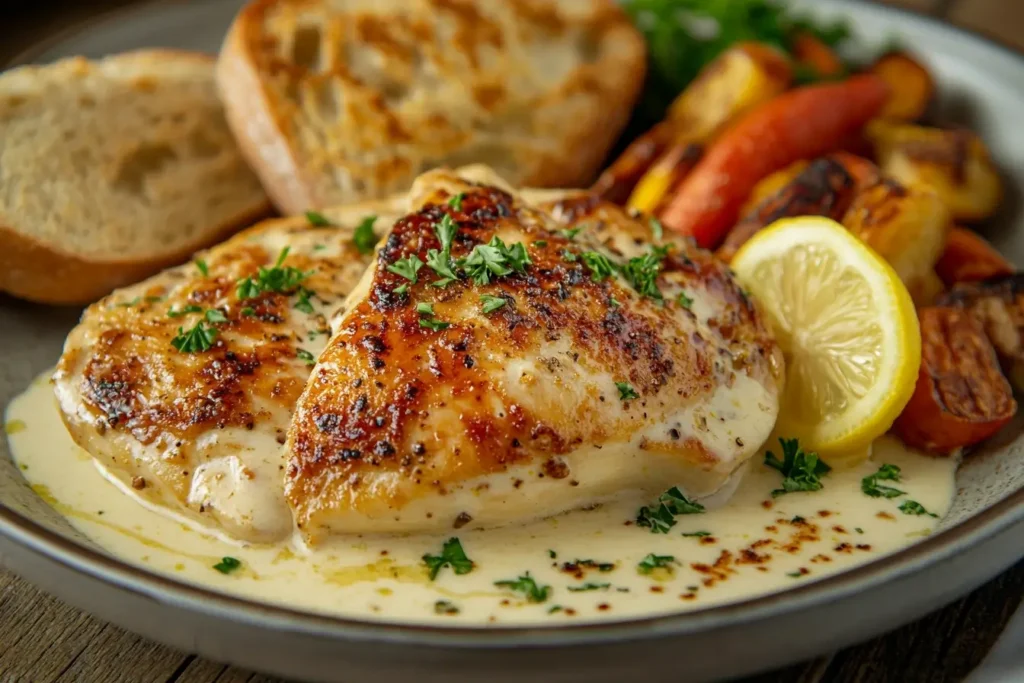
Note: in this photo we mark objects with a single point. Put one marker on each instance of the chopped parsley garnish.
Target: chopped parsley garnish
(441, 263)
(858, 529)
(912, 507)
(215, 316)
(589, 587)
(569, 257)
(555, 608)
(540, 243)
(129, 304)
(801, 471)
(696, 534)
(435, 325)
(552, 554)
(452, 555)
(407, 267)
(191, 308)
(319, 247)
(659, 518)
(227, 565)
(641, 272)
(684, 300)
(456, 201)
(570, 233)
(626, 391)
(248, 312)
(652, 562)
(424, 308)
(492, 303)
(600, 267)
(304, 304)
(317, 220)
(203, 268)
(274, 279)
(527, 586)
(870, 486)
(305, 356)
(445, 607)
(363, 238)
(199, 338)
(495, 259)
(588, 564)
(402, 290)
(445, 230)
(613, 302)
(657, 229)
(795, 575)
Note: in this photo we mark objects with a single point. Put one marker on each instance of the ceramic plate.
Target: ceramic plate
(981, 85)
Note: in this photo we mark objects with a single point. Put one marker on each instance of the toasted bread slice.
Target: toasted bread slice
(336, 101)
(113, 169)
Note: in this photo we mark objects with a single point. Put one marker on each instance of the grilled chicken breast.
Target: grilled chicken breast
(570, 359)
(183, 386)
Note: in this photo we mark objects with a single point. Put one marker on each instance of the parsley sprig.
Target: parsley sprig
(652, 562)
(870, 486)
(408, 267)
(452, 555)
(364, 238)
(196, 340)
(228, 565)
(491, 303)
(801, 471)
(278, 278)
(526, 585)
(626, 391)
(912, 507)
(641, 272)
(661, 516)
(495, 259)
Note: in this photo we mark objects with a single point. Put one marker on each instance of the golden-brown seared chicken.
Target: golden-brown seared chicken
(183, 386)
(527, 370)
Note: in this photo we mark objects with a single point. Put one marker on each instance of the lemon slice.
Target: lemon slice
(846, 325)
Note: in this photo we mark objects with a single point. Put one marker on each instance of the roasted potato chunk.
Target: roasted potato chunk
(772, 185)
(961, 397)
(823, 188)
(742, 77)
(907, 226)
(910, 83)
(955, 163)
(969, 258)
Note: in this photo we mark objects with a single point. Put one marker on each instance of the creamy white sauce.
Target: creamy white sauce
(754, 546)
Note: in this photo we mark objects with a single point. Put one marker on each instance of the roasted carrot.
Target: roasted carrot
(961, 396)
(968, 258)
(910, 86)
(618, 180)
(802, 123)
(816, 55)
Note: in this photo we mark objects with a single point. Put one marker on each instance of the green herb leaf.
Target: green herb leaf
(540, 243)
(227, 565)
(869, 485)
(569, 257)
(657, 229)
(440, 262)
(491, 303)
(661, 516)
(626, 391)
(435, 325)
(305, 356)
(282, 280)
(684, 300)
(600, 267)
(652, 562)
(424, 308)
(552, 554)
(801, 471)
(248, 312)
(613, 302)
(445, 230)
(407, 267)
(570, 233)
(912, 507)
(452, 555)
(495, 259)
(199, 338)
(317, 220)
(642, 272)
(589, 587)
(795, 575)
(456, 201)
(304, 304)
(696, 534)
(527, 586)
(215, 316)
(445, 607)
(555, 608)
(402, 290)
(203, 268)
(191, 308)
(364, 238)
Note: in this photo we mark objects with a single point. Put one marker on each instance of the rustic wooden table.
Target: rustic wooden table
(43, 639)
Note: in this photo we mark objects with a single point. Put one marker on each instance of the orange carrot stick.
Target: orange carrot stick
(800, 124)
(968, 258)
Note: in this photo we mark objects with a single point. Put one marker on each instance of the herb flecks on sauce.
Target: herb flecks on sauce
(653, 562)
(228, 565)
(870, 486)
(661, 516)
(801, 471)
(452, 555)
(912, 507)
(526, 585)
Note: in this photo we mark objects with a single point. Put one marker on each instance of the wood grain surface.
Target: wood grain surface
(43, 640)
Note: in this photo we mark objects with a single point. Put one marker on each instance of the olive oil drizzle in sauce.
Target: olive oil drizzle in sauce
(597, 563)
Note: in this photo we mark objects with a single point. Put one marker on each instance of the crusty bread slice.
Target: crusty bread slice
(113, 169)
(335, 101)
